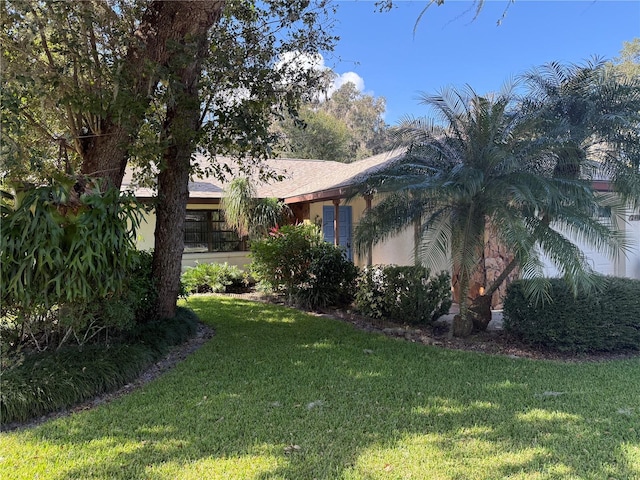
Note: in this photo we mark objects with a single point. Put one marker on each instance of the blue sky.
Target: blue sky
(450, 49)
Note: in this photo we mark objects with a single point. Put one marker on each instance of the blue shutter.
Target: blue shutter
(344, 227)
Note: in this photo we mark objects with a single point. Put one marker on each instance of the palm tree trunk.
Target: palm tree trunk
(462, 323)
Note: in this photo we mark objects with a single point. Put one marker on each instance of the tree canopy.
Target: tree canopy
(94, 85)
(344, 126)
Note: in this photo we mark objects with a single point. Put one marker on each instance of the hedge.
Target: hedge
(603, 320)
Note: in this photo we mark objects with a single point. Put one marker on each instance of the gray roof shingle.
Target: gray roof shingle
(301, 177)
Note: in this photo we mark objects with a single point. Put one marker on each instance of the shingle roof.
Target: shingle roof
(301, 177)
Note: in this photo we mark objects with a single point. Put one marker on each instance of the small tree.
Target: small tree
(249, 216)
(517, 166)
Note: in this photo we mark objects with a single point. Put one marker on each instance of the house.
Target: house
(316, 192)
(625, 265)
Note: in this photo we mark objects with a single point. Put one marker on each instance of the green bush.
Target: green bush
(213, 277)
(331, 279)
(296, 262)
(159, 335)
(404, 294)
(280, 261)
(49, 381)
(141, 293)
(44, 382)
(66, 250)
(607, 320)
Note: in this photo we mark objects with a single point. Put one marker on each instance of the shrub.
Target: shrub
(49, 381)
(65, 249)
(405, 294)
(213, 277)
(141, 293)
(607, 320)
(295, 261)
(280, 262)
(159, 335)
(331, 279)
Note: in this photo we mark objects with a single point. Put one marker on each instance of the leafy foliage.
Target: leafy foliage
(250, 216)
(161, 334)
(64, 256)
(607, 320)
(49, 381)
(345, 127)
(589, 114)
(295, 261)
(331, 278)
(141, 291)
(524, 166)
(317, 135)
(213, 277)
(405, 294)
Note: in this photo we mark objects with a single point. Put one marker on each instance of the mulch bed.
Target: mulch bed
(495, 342)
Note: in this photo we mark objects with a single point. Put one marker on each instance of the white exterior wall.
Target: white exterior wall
(238, 259)
(633, 256)
(624, 266)
(145, 238)
(398, 250)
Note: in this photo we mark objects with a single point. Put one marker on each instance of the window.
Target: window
(206, 231)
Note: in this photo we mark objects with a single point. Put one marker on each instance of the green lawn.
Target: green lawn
(280, 394)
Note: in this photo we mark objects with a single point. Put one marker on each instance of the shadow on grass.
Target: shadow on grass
(280, 394)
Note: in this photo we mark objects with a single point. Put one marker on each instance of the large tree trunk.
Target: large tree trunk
(164, 25)
(105, 155)
(180, 130)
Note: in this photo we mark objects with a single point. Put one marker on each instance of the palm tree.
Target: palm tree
(591, 116)
(249, 216)
(481, 162)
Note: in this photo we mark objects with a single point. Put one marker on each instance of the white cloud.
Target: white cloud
(347, 77)
(296, 61)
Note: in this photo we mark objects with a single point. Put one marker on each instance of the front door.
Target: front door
(344, 227)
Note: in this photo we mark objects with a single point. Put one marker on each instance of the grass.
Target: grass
(279, 394)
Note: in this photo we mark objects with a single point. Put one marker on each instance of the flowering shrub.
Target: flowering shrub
(405, 294)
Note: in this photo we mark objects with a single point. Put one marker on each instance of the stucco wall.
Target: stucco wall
(145, 232)
(397, 250)
(632, 228)
(239, 259)
(626, 265)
